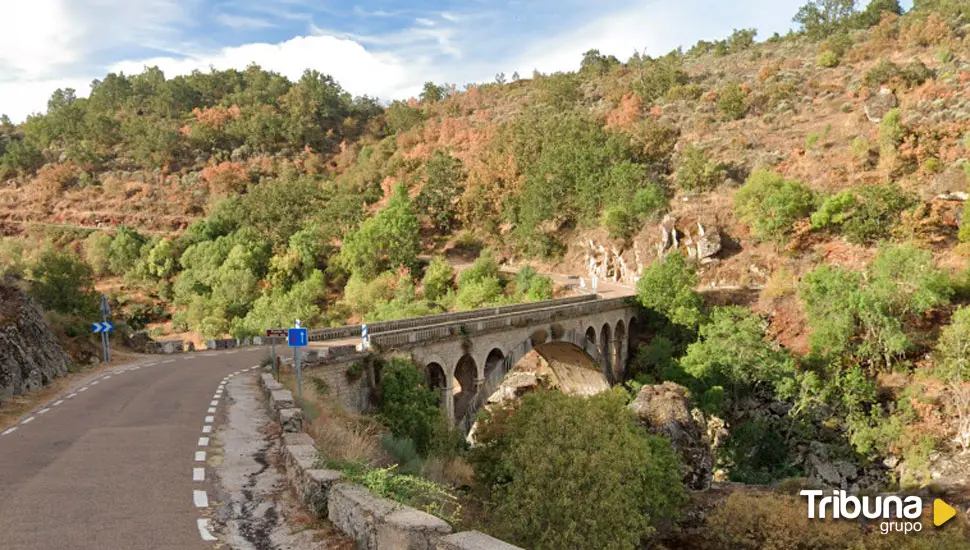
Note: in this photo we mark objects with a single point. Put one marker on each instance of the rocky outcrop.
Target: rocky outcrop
(879, 104)
(666, 410)
(30, 356)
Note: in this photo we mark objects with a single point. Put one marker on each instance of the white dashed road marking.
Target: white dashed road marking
(85, 388)
(72, 396)
(10, 431)
(214, 403)
(43, 411)
(198, 474)
(95, 383)
(210, 419)
(200, 499)
(203, 442)
(206, 429)
(200, 456)
(58, 402)
(211, 410)
(28, 420)
(204, 531)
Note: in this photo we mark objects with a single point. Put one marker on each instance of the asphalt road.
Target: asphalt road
(112, 466)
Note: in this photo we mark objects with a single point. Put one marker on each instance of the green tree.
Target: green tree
(432, 93)
(771, 205)
(407, 407)
(63, 283)
(97, 252)
(697, 173)
(125, 250)
(667, 287)
(872, 15)
(444, 184)
(439, 278)
(821, 18)
(732, 353)
(730, 100)
(386, 241)
(575, 472)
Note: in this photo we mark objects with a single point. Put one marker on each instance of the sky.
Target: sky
(381, 48)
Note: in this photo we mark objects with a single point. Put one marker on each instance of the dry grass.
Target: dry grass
(338, 433)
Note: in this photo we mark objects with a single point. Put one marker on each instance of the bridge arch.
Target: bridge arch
(619, 352)
(436, 380)
(589, 345)
(605, 351)
(465, 386)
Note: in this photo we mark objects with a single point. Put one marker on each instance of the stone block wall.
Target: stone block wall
(373, 522)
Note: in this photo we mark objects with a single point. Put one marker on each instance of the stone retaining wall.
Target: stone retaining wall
(373, 522)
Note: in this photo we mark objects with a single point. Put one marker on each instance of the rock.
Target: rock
(138, 341)
(30, 356)
(666, 410)
(821, 469)
(955, 196)
(708, 242)
(291, 420)
(879, 104)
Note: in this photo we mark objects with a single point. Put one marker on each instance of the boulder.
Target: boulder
(666, 410)
(30, 356)
(820, 467)
(879, 104)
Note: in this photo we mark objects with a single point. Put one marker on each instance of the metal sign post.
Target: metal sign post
(103, 328)
(298, 339)
(273, 334)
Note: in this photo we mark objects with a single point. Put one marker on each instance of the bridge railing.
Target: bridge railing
(391, 339)
(351, 331)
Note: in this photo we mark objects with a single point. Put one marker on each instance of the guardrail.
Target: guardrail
(351, 331)
(391, 339)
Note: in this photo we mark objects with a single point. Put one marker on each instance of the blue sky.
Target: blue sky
(381, 48)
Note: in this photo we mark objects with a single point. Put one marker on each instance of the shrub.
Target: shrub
(619, 222)
(771, 205)
(730, 100)
(696, 172)
(125, 250)
(827, 59)
(479, 293)
(407, 407)
(731, 353)
(439, 278)
(444, 184)
(764, 521)
(485, 266)
(756, 452)
(97, 252)
(387, 241)
(604, 483)
(867, 316)
(866, 214)
(953, 348)
(667, 287)
(63, 283)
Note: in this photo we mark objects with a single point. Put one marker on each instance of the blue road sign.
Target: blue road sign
(102, 327)
(297, 337)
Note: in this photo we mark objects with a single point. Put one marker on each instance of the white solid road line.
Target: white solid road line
(200, 499)
(200, 456)
(198, 474)
(204, 531)
(9, 431)
(203, 442)
(28, 420)
(210, 419)
(207, 429)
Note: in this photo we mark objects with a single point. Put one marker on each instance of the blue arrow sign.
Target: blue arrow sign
(297, 337)
(102, 327)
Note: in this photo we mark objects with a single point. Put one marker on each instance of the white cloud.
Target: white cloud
(356, 69)
(241, 22)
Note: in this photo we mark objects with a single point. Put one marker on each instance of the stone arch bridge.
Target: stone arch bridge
(466, 355)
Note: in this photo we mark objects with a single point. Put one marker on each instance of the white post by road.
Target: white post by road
(299, 371)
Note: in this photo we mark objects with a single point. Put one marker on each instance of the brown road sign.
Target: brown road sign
(270, 332)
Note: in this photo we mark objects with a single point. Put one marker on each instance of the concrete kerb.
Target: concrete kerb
(373, 522)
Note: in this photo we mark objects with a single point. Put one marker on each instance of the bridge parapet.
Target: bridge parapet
(404, 337)
(350, 331)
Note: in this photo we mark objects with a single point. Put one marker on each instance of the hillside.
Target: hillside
(815, 185)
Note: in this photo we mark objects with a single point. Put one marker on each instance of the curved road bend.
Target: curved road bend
(112, 466)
